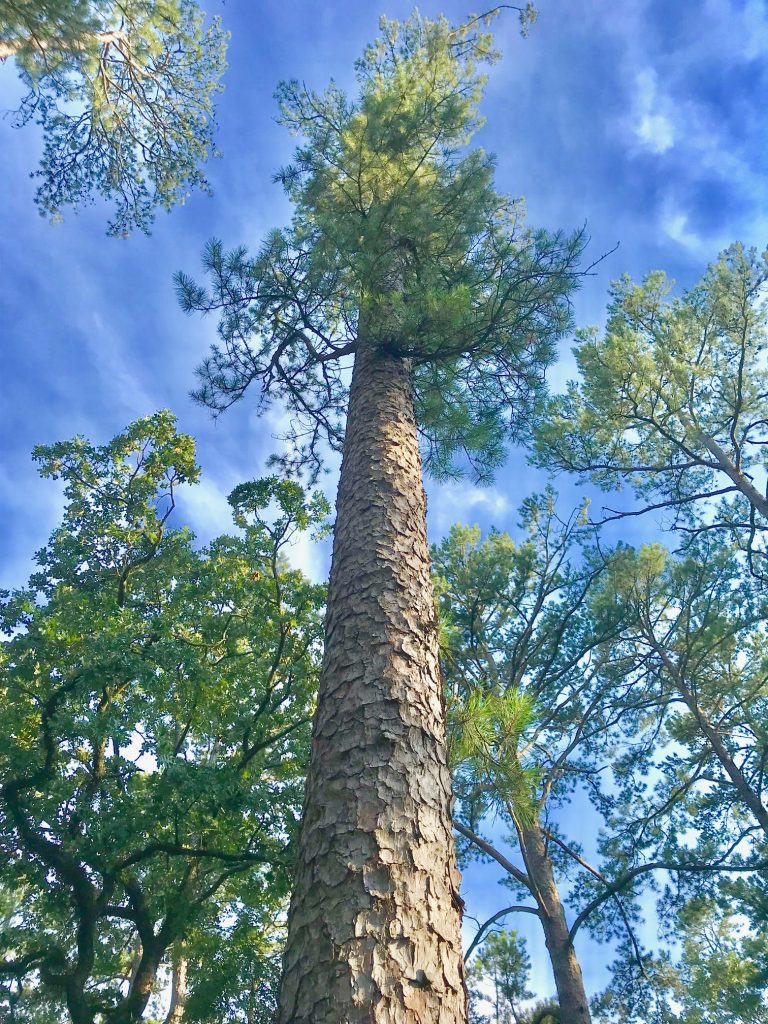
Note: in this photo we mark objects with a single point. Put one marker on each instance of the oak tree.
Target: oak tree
(157, 701)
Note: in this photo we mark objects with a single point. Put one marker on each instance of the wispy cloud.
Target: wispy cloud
(32, 508)
(312, 557)
(462, 502)
(676, 226)
(651, 120)
(205, 507)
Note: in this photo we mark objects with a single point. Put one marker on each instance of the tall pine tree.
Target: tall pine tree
(402, 255)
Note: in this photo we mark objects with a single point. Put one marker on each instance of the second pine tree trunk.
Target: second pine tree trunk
(574, 1005)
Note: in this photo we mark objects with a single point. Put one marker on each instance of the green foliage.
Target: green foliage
(688, 785)
(672, 399)
(544, 1012)
(724, 970)
(517, 634)
(235, 967)
(693, 643)
(124, 94)
(157, 704)
(399, 240)
(505, 965)
(721, 974)
(485, 731)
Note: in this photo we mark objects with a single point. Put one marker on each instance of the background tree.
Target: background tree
(402, 253)
(724, 970)
(529, 718)
(505, 964)
(124, 94)
(689, 786)
(554, 688)
(693, 641)
(672, 401)
(157, 704)
(719, 975)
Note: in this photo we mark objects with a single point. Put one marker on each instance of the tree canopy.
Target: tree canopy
(606, 707)
(157, 703)
(632, 679)
(400, 237)
(672, 400)
(124, 95)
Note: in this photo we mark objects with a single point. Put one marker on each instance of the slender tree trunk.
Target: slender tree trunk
(574, 1005)
(744, 790)
(731, 470)
(374, 924)
(746, 793)
(178, 988)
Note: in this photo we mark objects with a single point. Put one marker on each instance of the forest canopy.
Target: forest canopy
(276, 755)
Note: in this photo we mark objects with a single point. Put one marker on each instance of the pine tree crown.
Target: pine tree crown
(398, 239)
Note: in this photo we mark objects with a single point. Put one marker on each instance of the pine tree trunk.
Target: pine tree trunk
(574, 1005)
(374, 926)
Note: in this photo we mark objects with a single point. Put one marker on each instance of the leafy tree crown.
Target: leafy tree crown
(124, 95)
(157, 701)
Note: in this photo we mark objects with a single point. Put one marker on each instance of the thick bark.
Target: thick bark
(374, 927)
(574, 1005)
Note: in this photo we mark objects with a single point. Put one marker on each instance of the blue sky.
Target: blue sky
(644, 119)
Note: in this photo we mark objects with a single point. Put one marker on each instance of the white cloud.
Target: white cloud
(33, 507)
(206, 507)
(117, 366)
(755, 24)
(312, 557)
(652, 123)
(674, 224)
(458, 502)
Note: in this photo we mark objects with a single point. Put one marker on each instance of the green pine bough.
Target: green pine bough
(124, 95)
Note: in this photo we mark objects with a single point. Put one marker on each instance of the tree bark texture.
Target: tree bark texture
(374, 926)
(574, 1005)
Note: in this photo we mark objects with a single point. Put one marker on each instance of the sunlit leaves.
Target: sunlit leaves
(158, 699)
(124, 95)
(399, 240)
(673, 399)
